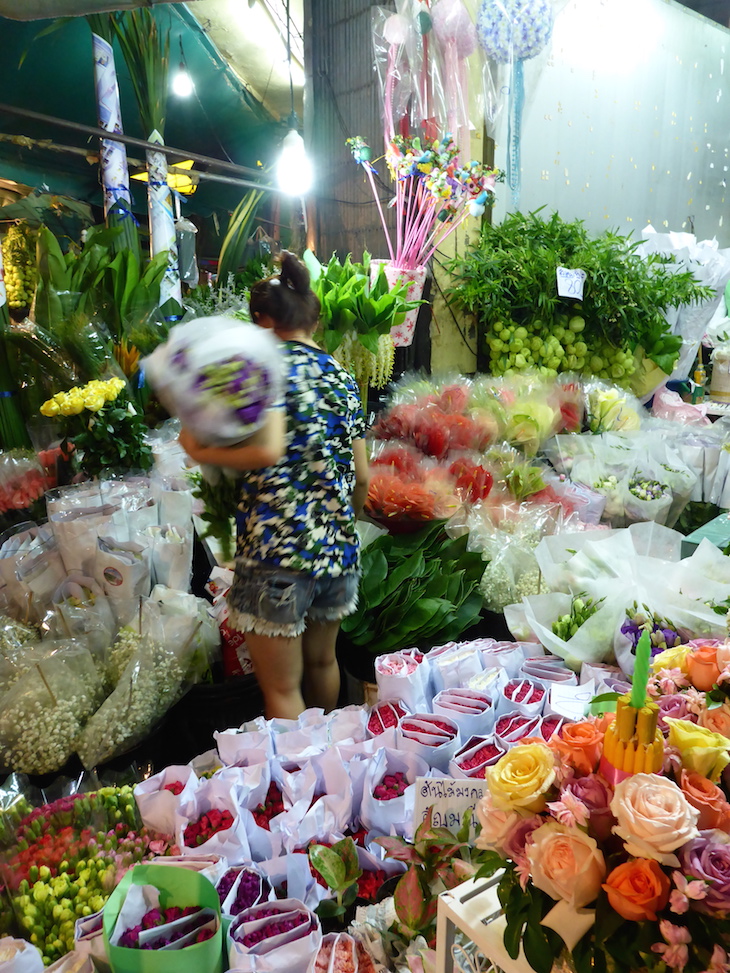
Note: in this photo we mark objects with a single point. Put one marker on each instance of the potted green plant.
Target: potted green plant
(358, 312)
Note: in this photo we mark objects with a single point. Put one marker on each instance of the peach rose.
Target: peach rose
(723, 655)
(579, 745)
(702, 665)
(708, 799)
(654, 817)
(716, 719)
(566, 863)
(638, 889)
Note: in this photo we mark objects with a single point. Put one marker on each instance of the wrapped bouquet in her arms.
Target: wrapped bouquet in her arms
(218, 375)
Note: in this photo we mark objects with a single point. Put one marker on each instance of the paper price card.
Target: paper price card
(449, 798)
(570, 283)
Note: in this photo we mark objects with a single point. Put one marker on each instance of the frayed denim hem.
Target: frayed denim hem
(333, 614)
(245, 622)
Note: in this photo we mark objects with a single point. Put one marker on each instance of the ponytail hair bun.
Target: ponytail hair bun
(287, 297)
(294, 273)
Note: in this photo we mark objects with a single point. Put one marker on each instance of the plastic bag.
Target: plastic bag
(153, 680)
(593, 642)
(81, 611)
(338, 952)
(124, 571)
(172, 555)
(43, 713)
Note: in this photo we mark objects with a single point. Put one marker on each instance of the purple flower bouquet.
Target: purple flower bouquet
(286, 926)
(240, 888)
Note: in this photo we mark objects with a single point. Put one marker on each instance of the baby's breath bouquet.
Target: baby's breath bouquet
(107, 430)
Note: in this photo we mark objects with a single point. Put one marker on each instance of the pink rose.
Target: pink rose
(497, 824)
(654, 817)
(717, 719)
(723, 655)
(516, 840)
(595, 793)
(675, 706)
(566, 864)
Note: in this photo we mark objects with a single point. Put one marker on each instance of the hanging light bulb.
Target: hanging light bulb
(293, 170)
(182, 83)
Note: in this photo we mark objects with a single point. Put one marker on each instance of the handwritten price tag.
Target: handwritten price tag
(449, 798)
(570, 283)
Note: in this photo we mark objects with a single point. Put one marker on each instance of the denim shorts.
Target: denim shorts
(269, 600)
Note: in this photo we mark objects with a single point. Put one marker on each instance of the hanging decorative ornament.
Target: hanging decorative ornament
(511, 32)
(457, 37)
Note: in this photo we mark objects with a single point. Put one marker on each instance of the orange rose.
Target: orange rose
(702, 666)
(638, 889)
(580, 745)
(708, 799)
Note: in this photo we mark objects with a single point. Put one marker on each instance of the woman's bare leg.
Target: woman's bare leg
(321, 672)
(277, 662)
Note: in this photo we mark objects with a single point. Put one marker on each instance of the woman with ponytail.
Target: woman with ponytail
(297, 557)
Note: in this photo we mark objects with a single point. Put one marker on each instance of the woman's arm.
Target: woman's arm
(264, 448)
(362, 476)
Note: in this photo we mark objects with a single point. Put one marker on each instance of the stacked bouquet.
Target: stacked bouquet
(614, 868)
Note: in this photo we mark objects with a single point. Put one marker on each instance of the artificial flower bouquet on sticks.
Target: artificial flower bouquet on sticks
(617, 869)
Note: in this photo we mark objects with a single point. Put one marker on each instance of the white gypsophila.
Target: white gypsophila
(150, 684)
(38, 736)
(13, 634)
(125, 645)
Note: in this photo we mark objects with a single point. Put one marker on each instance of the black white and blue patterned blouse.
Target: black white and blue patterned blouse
(298, 514)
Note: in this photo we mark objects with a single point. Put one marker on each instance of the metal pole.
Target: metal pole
(195, 176)
(127, 140)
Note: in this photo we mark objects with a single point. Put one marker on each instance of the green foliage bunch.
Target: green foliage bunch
(415, 589)
(507, 280)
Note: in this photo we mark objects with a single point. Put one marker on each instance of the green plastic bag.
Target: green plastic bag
(178, 887)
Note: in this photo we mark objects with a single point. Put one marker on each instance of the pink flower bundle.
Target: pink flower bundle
(385, 715)
(285, 926)
(428, 729)
(340, 953)
(391, 786)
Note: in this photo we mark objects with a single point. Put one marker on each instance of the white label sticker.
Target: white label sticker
(449, 798)
(570, 283)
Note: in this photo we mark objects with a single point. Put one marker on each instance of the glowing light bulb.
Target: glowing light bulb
(182, 83)
(294, 170)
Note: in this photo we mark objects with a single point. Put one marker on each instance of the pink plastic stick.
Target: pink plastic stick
(380, 210)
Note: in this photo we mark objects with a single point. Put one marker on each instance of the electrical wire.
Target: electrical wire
(442, 295)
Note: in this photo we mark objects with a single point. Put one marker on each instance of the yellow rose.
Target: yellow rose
(702, 751)
(94, 402)
(522, 777)
(50, 408)
(73, 403)
(675, 658)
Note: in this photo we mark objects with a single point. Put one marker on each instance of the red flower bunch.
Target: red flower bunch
(473, 482)
(399, 461)
(368, 885)
(513, 728)
(274, 928)
(273, 805)
(430, 726)
(20, 492)
(523, 691)
(176, 787)
(208, 824)
(479, 759)
(391, 786)
(396, 423)
(384, 715)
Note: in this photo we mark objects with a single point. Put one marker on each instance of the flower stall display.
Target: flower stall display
(61, 861)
